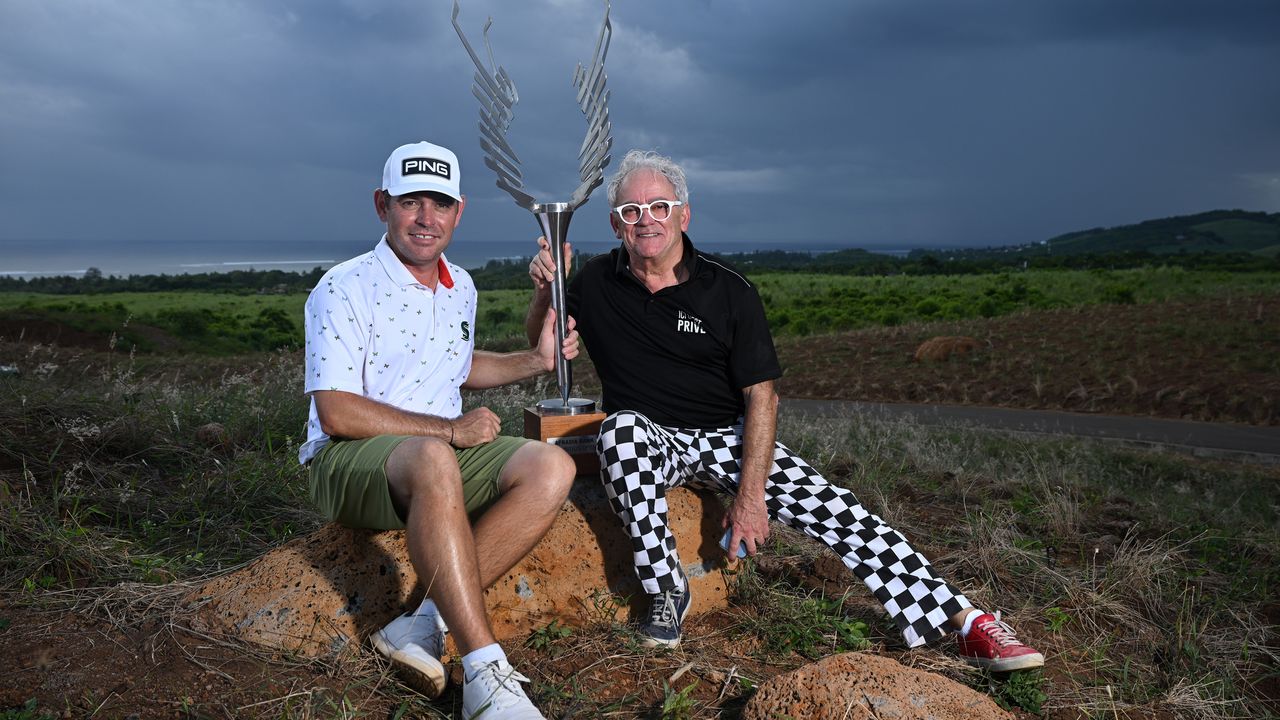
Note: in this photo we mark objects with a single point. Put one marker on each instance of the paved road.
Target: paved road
(1244, 442)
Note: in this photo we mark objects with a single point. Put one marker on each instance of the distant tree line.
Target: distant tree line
(235, 281)
(513, 274)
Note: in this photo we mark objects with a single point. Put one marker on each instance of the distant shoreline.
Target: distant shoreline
(141, 258)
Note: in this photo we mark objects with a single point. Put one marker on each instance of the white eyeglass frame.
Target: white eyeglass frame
(649, 207)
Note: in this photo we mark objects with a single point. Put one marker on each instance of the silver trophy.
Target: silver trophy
(498, 96)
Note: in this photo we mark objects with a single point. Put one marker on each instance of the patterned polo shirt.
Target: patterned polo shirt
(374, 330)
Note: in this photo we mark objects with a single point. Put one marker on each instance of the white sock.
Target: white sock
(481, 656)
(428, 608)
(968, 621)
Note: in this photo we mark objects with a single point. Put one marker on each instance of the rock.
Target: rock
(880, 686)
(315, 594)
(943, 347)
(213, 436)
(830, 568)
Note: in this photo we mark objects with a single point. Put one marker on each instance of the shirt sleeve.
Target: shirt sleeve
(336, 338)
(752, 357)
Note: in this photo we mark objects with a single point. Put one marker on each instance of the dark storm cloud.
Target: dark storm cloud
(879, 124)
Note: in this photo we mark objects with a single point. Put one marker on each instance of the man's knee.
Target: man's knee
(559, 469)
(423, 466)
(622, 427)
(545, 465)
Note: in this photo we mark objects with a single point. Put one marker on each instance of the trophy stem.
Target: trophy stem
(553, 220)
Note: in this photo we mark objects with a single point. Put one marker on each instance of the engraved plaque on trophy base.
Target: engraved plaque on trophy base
(571, 426)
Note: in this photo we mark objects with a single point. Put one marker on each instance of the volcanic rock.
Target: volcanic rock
(944, 347)
(315, 594)
(879, 687)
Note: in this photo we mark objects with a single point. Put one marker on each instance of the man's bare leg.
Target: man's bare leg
(534, 484)
(459, 561)
(423, 477)
(957, 620)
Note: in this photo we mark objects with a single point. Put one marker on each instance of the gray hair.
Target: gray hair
(638, 160)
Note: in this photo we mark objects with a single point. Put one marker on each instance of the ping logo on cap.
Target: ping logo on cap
(425, 166)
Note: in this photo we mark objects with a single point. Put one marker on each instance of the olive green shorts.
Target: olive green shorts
(349, 478)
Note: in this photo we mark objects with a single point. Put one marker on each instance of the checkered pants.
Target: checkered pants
(640, 460)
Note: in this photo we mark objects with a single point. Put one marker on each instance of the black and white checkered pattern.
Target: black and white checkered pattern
(640, 460)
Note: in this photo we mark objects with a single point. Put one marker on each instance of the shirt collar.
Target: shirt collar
(400, 274)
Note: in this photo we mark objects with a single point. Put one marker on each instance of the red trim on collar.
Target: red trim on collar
(445, 278)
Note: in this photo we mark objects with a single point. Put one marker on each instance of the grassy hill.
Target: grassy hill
(1215, 231)
(1222, 234)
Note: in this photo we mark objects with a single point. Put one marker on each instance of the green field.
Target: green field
(806, 304)
(797, 304)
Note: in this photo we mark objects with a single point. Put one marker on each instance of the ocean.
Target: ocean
(20, 258)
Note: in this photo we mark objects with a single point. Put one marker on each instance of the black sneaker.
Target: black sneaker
(666, 612)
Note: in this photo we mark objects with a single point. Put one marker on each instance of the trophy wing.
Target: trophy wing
(497, 95)
(593, 100)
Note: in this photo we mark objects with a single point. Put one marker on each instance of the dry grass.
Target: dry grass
(1148, 580)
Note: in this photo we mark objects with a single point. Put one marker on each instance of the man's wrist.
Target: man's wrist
(750, 495)
(538, 363)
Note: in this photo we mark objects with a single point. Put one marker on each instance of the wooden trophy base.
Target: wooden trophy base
(573, 433)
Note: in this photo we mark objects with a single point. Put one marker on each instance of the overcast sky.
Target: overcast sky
(864, 123)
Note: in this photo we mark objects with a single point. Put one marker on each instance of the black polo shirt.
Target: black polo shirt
(681, 356)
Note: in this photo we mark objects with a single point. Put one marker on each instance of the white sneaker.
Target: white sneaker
(494, 692)
(415, 644)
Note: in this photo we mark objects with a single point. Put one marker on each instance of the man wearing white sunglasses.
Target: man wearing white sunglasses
(687, 366)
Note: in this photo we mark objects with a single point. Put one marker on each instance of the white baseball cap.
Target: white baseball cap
(420, 167)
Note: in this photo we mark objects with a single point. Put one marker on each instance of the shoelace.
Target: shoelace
(432, 642)
(1000, 632)
(499, 675)
(663, 614)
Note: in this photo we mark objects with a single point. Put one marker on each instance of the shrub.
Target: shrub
(928, 307)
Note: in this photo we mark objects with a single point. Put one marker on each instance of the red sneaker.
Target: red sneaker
(993, 645)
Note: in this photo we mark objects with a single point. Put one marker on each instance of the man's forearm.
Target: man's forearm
(538, 306)
(759, 432)
(490, 369)
(353, 417)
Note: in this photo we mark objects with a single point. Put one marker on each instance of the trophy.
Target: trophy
(566, 421)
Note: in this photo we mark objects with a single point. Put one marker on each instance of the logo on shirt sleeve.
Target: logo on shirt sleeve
(466, 330)
(687, 323)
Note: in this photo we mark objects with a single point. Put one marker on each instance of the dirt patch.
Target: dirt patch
(38, 328)
(1213, 359)
(27, 328)
(78, 665)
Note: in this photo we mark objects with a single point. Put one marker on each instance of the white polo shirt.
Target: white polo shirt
(373, 330)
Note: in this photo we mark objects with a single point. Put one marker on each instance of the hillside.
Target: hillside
(1236, 233)
(1216, 231)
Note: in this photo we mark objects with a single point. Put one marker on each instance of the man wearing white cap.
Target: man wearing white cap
(390, 340)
